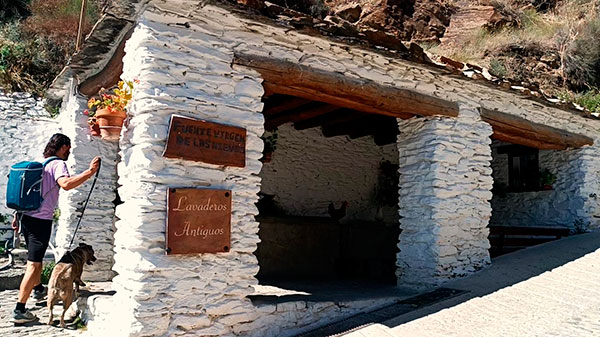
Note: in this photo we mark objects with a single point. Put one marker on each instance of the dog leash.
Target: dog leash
(85, 205)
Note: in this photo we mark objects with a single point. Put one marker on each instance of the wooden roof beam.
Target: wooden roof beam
(285, 77)
(334, 117)
(514, 139)
(518, 130)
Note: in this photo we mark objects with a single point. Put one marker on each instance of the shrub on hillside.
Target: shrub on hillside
(27, 63)
(34, 50)
(13, 10)
(59, 20)
(581, 55)
(316, 8)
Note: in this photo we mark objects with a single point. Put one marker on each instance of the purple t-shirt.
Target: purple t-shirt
(53, 170)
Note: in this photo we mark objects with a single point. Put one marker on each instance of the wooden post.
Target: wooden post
(80, 30)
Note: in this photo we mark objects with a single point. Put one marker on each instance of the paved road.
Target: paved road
(548, 290)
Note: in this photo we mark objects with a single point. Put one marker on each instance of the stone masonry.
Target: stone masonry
(182, 53)
(559, 206)
(445, 188)
(161, 295)
(308, 171)
(96, 226)
(25, 128)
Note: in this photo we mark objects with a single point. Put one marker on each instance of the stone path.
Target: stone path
(38, 328)
(548, 290)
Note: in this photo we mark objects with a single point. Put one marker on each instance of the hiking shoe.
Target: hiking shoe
(39, 295)
(23, 317)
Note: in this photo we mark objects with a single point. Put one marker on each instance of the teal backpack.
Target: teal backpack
(24, 187)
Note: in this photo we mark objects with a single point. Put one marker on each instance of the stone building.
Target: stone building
(340, 112)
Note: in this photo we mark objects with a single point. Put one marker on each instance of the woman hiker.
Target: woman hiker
(37, 225)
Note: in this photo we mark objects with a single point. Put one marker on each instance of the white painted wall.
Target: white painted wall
(25, 128)
(308, 171)
(182, 52)
(445, 188)
(97, 224)
(560, 206)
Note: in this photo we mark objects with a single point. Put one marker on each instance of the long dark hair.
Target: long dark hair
(55, 143)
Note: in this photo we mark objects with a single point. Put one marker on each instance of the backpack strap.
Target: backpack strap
(49, 159)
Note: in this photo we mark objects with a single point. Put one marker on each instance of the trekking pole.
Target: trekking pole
(85, 204)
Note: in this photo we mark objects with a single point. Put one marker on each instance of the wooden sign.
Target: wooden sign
(198, 221)
(208, 142)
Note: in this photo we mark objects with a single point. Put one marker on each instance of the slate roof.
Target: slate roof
(120, 16)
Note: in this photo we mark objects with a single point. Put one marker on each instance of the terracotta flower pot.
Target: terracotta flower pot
(95, 130)
(110, 123)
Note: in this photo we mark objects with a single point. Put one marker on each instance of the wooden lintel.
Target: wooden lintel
(299, 114)
(109, 76)
(285, 77)
(514, 139)
(528, 133)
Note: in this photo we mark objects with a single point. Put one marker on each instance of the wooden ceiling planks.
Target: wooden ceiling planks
(304, 112)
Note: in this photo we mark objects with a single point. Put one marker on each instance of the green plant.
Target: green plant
(270, 140)
(47, 271)
(52, 110)
(79, 323)
(319, 9)
(34, 50)
(115, 101)
(497, 68)
(13, 9)
(56, 215)
(580, 53)
(547, 178)
(589, 100)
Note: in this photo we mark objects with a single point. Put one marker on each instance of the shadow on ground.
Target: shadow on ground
(510, 269)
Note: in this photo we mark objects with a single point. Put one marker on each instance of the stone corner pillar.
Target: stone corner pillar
(445, 193)
(97, 224)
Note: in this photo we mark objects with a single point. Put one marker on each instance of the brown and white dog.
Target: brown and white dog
(66, 273)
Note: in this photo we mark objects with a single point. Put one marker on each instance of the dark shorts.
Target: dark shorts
(37, 236)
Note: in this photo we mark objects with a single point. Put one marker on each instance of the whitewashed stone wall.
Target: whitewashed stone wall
(203, 295)
(560, 206)
(25, 127)
(445, 188)
(308, 171)
(182, 53)
(96, 226)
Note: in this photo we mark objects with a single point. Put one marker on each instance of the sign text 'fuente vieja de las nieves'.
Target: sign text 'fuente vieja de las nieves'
(198, 221)
(208, 142)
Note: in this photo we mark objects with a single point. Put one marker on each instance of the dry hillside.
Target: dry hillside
(548, 44)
